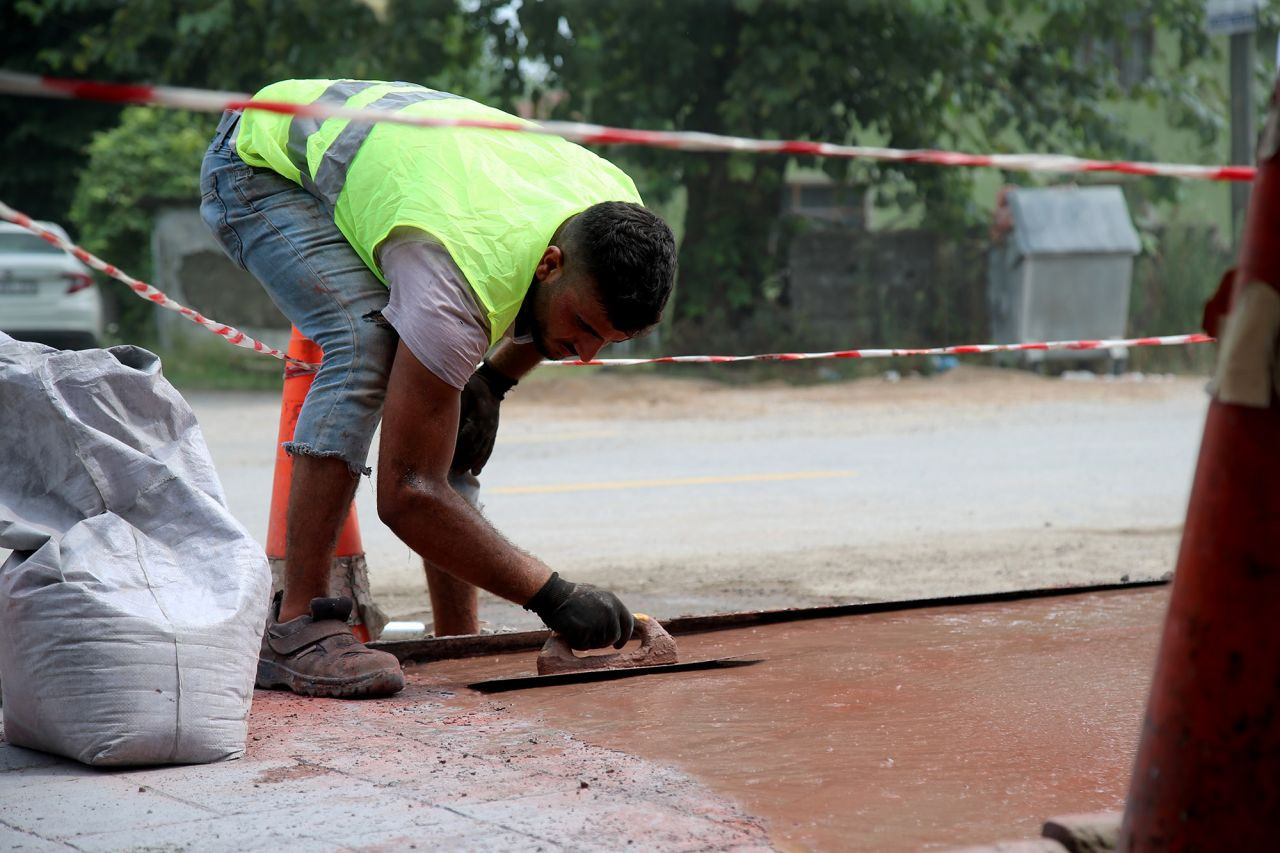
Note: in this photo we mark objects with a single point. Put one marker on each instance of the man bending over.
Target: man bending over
(406, 254)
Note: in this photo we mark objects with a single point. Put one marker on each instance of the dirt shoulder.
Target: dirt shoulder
(613, 392)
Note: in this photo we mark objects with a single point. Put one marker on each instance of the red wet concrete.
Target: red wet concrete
(893, 731)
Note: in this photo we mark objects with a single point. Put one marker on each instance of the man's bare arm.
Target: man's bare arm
(419, 429)
(478, 427)
(514, 360)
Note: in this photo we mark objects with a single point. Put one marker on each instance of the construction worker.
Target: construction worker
(406, 254)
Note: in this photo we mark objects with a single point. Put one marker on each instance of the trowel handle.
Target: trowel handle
(656, 647)
(644, 629)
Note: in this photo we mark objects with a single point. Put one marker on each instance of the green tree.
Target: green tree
(153, 155)
(113, 164)
(999, 75)
(46, 137)
(232, 45)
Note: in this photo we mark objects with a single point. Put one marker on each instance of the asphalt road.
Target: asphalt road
(689, 497)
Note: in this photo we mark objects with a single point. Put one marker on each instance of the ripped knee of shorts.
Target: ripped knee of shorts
(295, 448)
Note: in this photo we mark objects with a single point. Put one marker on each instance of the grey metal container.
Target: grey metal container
(1064, 271)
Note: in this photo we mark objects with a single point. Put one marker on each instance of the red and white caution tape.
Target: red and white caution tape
(593, 134)
(145, 291)
(966, 349)
(240, 339)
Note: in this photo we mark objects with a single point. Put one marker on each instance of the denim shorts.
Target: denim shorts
(286, 238)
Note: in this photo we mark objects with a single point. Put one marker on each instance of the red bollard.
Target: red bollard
(350, 574)
(1207, 773)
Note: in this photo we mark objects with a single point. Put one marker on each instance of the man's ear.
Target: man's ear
(552, 261)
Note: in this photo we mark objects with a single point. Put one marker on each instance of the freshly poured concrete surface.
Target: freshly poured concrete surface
(894, 731)
(891, 731)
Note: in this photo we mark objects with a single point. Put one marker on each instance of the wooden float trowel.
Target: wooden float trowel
(557, 664)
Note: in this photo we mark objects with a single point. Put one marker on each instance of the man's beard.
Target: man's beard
(541, 345)
(532, 322)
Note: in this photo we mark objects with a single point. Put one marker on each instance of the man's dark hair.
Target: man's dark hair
(631, 254)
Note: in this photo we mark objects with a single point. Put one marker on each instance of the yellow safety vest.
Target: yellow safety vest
(492, 198)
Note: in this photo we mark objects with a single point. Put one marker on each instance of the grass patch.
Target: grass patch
(215, 365)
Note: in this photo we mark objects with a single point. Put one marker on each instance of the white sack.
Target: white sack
(132, 607)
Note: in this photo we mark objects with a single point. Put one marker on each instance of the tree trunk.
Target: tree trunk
(724, 257)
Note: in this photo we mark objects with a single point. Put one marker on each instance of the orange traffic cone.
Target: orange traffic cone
(1207, 774)
(349, 574)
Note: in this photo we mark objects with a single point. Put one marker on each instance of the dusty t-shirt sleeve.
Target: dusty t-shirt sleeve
(433, 308)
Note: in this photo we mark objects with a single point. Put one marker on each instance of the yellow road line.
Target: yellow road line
(674, 481)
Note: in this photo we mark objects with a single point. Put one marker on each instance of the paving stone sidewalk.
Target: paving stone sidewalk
(426, 770)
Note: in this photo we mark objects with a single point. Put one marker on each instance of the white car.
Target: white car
(46, 295)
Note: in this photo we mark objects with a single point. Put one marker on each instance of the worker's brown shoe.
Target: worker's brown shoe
(317, 655)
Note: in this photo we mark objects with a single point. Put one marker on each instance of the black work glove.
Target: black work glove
(478, 418)
(586, 616)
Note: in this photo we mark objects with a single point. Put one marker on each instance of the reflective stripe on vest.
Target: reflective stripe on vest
(301, 128)
(492, 199)
(331, 173)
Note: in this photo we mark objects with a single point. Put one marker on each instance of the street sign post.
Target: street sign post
(1229, 17)
(1238, 19)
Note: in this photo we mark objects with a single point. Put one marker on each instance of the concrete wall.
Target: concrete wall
(192, 269)
(850, 288)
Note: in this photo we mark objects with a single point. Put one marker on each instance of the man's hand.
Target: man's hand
(586, 616)
(478, 420)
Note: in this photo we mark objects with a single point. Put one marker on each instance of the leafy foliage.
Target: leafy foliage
(989, 75)
(153, 155)
(233, 45)
(241, 45)
(999, 75)
(1170, 288)
(45, 136)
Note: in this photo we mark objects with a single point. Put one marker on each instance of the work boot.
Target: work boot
(317, 655)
